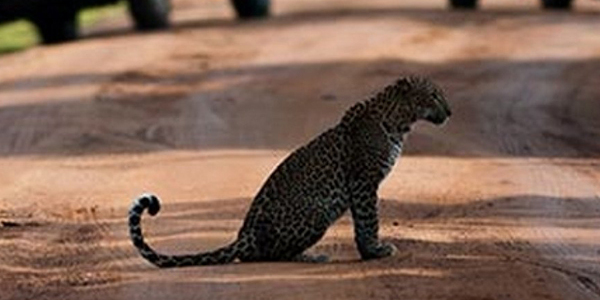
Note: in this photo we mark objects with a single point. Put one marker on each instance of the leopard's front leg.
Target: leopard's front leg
(366, 225)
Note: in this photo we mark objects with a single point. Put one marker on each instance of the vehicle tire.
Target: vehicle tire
(150, 14)
(463, 4)
(556, 4)
(57, 26)
(247, 9)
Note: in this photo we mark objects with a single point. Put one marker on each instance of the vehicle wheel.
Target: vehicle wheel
(556, 4)
(462, 4)
(57, 26)
(247, 9)
(150, 14)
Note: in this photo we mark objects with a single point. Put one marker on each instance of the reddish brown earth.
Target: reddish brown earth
(502, 203)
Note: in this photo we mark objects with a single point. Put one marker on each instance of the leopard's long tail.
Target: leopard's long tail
(220, 256)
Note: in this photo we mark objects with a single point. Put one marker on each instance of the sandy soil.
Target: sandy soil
(502, 203)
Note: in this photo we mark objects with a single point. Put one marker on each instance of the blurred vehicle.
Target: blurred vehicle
(548, 4)
(56, 20)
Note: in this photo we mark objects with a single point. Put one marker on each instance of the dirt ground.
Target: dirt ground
(501, 203)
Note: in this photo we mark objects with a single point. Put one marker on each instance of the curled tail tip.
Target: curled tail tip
(149, 201)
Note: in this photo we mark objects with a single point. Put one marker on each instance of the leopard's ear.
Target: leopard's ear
(403, 84)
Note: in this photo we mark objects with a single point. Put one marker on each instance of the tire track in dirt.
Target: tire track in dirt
(51, 258)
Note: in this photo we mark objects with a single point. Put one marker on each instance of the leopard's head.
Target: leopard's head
(409, 100)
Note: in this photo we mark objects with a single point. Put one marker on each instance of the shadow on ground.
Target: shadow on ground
(436, 16)
(537, 108)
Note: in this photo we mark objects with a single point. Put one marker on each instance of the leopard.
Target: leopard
(339, 170)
